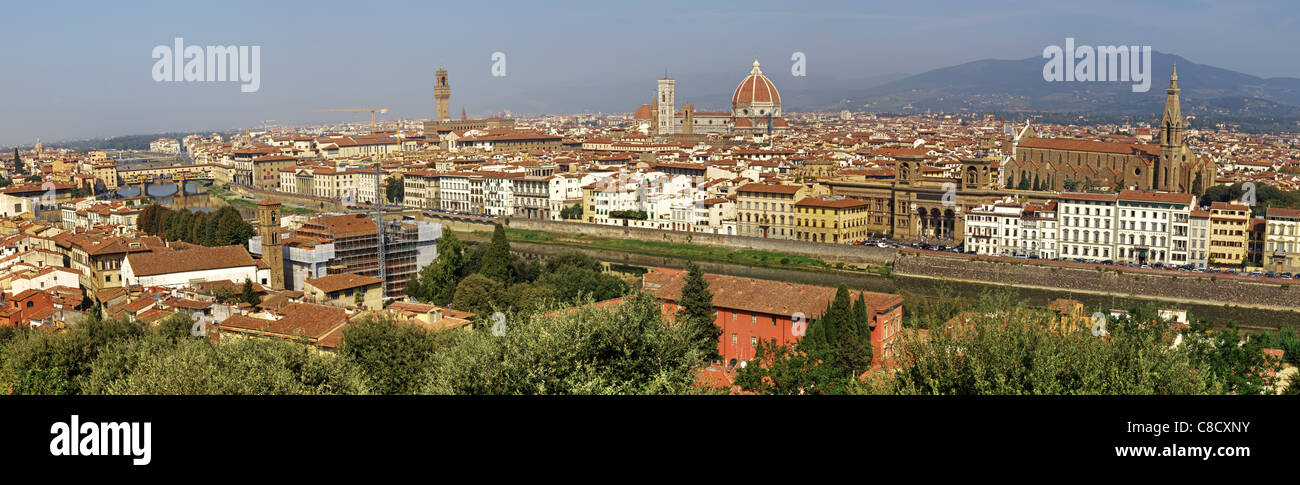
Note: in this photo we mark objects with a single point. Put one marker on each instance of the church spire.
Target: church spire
(1172, 124)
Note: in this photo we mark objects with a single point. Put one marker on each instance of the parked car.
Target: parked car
(1270, 274)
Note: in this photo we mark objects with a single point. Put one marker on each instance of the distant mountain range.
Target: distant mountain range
(1012, 85)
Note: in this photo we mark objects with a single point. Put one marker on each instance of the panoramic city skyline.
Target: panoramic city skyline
(91, 65)
(908, 204)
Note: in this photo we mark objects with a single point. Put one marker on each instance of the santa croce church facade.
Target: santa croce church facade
(1168, 166)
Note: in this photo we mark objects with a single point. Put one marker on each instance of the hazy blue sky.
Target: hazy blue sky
(76, 70)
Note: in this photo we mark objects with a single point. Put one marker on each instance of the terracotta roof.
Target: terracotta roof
(342, 281)
(1161, 197)
(643, 112)
(831, 202)
(344, 226)
(1089, 196)
(1280, 212)
(762, 296)
(770, 188)
(298, 320)
(192, 258)
(1229, 206)
(756, 88)
(1087, 146)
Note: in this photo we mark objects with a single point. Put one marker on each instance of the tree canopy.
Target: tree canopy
(223, 227)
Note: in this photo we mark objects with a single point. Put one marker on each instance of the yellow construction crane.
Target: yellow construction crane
(372, 114)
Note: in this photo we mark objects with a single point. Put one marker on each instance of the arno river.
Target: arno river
(912, 287)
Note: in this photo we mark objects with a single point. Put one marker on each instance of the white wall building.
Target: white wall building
(1039, 227)
(995, 229)
(194, 264)
(1087, 226)
(1153, 227)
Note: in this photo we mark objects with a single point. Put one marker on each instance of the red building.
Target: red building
(752, 310)
(20, 308)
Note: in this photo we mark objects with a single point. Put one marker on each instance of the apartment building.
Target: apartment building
(266, 170)
(1153, 227)
(454, 191)
(1228, 233)
(1282, 240)
(608, 196)
(768, 210)
(832, 219)
(995, 229)
(420, 189)
(1087, 225)
(1198, 239)
(498, 193)
(1039, 230)
(534, 197)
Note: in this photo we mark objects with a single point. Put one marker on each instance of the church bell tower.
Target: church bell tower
(268, 226)
(1171, 169)
(442, 94)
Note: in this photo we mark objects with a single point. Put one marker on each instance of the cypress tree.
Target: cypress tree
(862, 317)
(849, 348)
(496, 259)
(841, 335)
(249, 296)
(697, 311)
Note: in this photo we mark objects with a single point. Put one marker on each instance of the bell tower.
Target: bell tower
(1169, 169)
(1171, 127)
(667, 105)
(441, 95)
(268, 226)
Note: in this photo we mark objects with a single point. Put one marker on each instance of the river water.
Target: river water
(196, 196)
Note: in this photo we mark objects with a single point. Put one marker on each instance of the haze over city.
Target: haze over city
(282, 205)
(86, 71)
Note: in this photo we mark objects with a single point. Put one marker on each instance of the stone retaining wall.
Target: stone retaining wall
(1191, 287)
